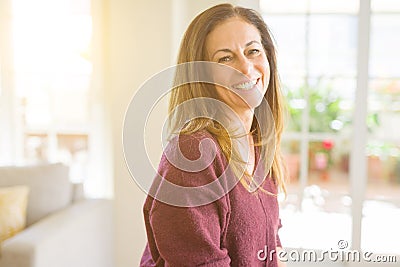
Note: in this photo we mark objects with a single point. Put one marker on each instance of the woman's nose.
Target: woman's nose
(244, 65)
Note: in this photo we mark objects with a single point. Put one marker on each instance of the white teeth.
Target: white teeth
(245, 86)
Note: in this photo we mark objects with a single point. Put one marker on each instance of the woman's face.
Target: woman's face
(237, 44)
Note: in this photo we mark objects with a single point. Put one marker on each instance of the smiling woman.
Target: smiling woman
(231, 230)
(237, 43)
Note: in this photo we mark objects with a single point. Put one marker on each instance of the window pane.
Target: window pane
(295, 102)
(385, 5)
(384, 109)
(380, 222)
(303, 6)
(291, 154)
(332, 45)
(334, 6)
(383, 157)
(283, 6)
(329, 163)
(290, 47)
(385, 43)
(331, 105)
(325, 207)
(382, 200)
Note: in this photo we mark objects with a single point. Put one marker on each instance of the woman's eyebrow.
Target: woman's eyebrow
(252, 42)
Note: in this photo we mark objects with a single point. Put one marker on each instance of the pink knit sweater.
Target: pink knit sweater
(230, 231)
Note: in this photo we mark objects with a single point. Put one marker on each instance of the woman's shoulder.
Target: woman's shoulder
(190, 171)
(192, 159)
(195, 137)
(193, 145)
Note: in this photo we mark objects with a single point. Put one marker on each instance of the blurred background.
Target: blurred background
(69, 68)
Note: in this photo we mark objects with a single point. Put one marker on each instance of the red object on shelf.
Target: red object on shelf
(327, 144)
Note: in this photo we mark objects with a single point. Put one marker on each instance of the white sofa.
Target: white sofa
(63, 228)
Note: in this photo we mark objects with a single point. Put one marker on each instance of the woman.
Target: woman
(238, 227)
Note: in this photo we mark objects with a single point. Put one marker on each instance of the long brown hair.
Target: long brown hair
(192, 48)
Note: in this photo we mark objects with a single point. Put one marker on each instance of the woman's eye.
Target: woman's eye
(224, 59)
(254, 51)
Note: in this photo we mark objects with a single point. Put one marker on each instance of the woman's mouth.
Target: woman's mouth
(245, 86)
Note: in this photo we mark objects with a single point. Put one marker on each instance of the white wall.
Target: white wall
(139, 46)
(143, 38)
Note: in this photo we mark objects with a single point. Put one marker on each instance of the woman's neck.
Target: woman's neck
(240, 121)
(247, 119)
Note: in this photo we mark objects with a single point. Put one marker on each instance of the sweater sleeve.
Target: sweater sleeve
(278, 240)
(190, 236)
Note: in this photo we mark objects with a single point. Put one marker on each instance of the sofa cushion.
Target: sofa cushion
(50, 188)
(13, 201)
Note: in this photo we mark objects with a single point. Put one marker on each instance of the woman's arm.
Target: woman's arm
(189, 236)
